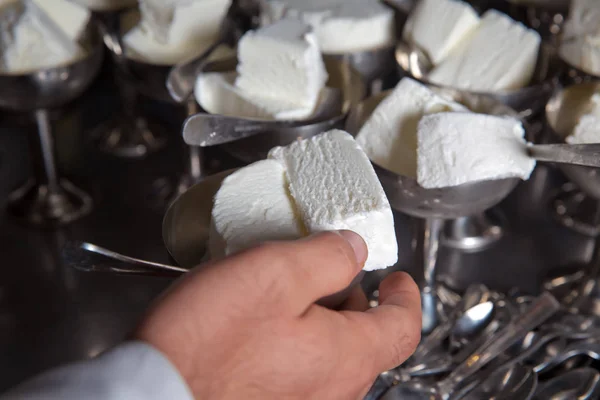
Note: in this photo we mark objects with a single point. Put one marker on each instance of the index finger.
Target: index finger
(298, 273)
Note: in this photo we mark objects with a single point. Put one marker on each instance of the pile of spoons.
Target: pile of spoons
(498, 346)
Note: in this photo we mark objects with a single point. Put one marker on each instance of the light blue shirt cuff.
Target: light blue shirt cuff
(132, 371)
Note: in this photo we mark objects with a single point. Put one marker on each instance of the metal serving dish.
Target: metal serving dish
(341, 76)
(405, 194)
(563, 112)
(53, 87)
(528, 101)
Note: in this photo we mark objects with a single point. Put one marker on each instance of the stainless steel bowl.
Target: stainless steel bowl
(405, 194)
(563, 112)
(53, 87)
(341, 76)
(372, 65)
(529, 101)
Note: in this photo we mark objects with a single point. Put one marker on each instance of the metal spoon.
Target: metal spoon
(540, 310)
(475, 294)
(206, 130)
(576, 326)
(469, 324)
(580, 384)
(573, 154)
(91, 258)
(413, 59)
(511, 382)
(537, 349)
(239, 19)
(588, 349)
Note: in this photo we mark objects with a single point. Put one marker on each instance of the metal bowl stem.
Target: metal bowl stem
(195, 167)
(130, 134)
(46, 199)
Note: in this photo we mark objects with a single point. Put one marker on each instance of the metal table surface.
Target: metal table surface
(51, 314)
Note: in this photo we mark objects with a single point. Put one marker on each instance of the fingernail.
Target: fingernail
(358, 245)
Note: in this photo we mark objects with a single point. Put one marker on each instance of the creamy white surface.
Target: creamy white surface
(32, 40)
(335, 187)
(253, 206)
(106, 5)
(457, 148)
(583, 52)
(281, 63)
(216, 93)
(193, 28)
(583, 19)
(587, 129)
(580, 44)
(70, 17)
(341, 26)
(501, 54)
(438, 26)
(389, 137)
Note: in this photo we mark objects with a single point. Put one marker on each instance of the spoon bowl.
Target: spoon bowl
(514, 382)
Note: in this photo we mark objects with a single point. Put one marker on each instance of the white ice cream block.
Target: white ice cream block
(72, 18)
(216, 93)
(253, 206)
(341, 26)
(583, 19)
(586, 131)
(282, 62)
(438, 26)
(389, 137)
(591, 55)
(501, 54)
(582, 52)
(31, 40)
(191, 28)
(457, 148)
(334, 187)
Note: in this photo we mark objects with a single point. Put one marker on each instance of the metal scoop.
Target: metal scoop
(207, 130)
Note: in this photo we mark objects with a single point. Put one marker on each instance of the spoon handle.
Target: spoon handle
(182, 77)
(205, 130)
(538, 312)
(91, 258)
(587, 155)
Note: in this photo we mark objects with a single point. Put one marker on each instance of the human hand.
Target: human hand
(247, 326)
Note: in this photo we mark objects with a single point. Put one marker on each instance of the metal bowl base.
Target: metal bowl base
(576, 211)
(474, 233)
(42, 206)
(127, 138)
